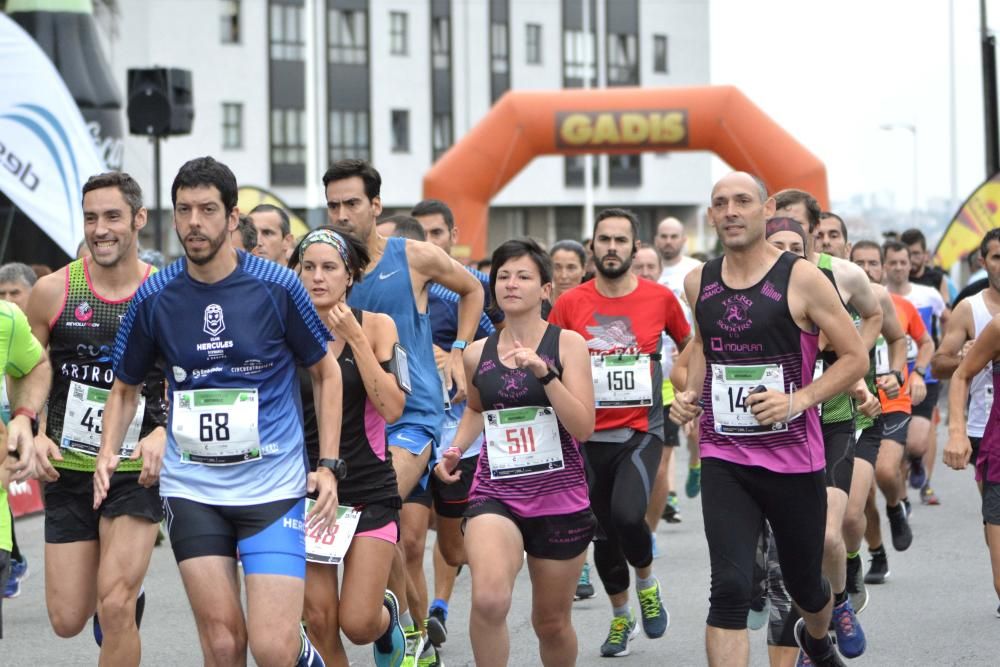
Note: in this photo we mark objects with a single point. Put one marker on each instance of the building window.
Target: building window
(398, 34)
(533, 41)
(624, 170)
(288, 137)
(348, 135)
(232, 125)
(348, 30)
(230, 17)
(287, 33)
(623, 60)
(499, 61)
(400, 131)
(574, 170)
(660, 53)
(440, 42)
(578, 56)
(441, 134)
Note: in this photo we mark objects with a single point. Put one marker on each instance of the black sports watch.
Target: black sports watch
(920, 371)
(337, 466)
(899, 377)
(549, 377)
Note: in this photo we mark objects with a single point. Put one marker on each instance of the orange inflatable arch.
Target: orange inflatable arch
(525, 124)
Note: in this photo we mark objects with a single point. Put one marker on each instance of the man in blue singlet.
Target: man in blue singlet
(397, 281)
(230, 328)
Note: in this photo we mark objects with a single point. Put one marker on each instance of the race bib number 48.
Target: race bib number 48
(329, 547)
(216, 426)
(730, 387)
(522, 441)
(622, 380)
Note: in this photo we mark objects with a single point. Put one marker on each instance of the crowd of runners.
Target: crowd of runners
(287, 408)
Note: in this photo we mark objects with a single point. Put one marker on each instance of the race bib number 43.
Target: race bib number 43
(730, 387)
(522, 441)
(622, 380)
(84, 417)
(216, 426)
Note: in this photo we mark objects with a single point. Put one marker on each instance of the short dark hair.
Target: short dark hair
(617, 213)
(483, 263)
(248, 233)
(203, 171)
(285, 222)
(992, 235)
(117, 179)
(827, 215)
(357, 254)
(342, 169)
(871, 245)
(435, 207)
(406, 226)
(512, 250)
(570, 245)
(911, 236)
(894, 246)
(791, 196)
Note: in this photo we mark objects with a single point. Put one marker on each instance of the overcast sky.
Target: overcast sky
(832, 72)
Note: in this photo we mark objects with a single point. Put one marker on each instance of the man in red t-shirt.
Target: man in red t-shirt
(622, 319)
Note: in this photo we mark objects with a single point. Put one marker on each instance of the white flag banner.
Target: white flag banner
(46, 152)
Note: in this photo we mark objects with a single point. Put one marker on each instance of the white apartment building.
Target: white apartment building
(283, 87)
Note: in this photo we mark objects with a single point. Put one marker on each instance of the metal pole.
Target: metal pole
(157, 214)
(988, 48)
(952, 113)
(588, 159)
(6, 231)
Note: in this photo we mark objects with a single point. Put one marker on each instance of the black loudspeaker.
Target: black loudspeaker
(160, 101)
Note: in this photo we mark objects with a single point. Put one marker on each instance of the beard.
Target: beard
(206, 256)
(611, 273)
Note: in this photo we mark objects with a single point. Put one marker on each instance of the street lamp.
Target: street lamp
(912, 129)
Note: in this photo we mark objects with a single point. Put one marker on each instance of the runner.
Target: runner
(622, 319)
(896, 419)
(397, 281)
(761, 445)
(985, 352)
(670, 242)
(568, 260)
(96, 558)
(967, 322)
(23, 360)
(531, 382)
(365, 346)
(922, 437)
(230, 327)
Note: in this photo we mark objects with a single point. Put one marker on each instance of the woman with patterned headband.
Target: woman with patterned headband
(365, 345)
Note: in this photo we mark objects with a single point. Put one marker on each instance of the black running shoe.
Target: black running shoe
(899, 523)
(878, 567)
(437, 631)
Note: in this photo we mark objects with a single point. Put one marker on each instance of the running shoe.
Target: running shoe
(437, 631)
(140, 607)
(918, 474)
(693, 485)
(671, 513)
(655, 618)
(878, 567)
(899, 524)
(927, 495)
(414, 646)
(584, 589)
(622, 630)
(856, 588)
(850, 636)
(829, 658)
(18, 573)
(309, 657)
(430, 657)
(389, 648)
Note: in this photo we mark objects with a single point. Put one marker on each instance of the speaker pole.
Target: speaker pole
(158, 215)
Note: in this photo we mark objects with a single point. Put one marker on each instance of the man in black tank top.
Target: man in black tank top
(83, 304)
(757, 312)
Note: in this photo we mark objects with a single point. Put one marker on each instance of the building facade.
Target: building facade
(283, 87)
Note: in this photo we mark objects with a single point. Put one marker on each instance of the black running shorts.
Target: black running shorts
(838, 443)
(555, 537)
(869, 442)
(895, 426)
(69, 505)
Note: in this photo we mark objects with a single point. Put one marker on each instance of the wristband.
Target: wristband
(454, 449)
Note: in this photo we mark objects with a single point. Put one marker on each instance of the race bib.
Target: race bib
(911, 349)
(882, 357)
(329, 547)
(730, 387)
(216, 426)
(622, 380)
(522, 441)
(817, 374)
(83, 418)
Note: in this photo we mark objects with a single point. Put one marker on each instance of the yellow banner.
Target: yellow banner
(979, 214)
(250, 196)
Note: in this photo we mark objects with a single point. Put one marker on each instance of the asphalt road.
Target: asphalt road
(938, 607)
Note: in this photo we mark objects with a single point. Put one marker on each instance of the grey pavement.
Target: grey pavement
(938, 607)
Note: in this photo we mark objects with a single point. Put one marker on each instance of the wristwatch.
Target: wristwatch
(31, 415)
(920, 371)
(336, 466)
(549, 377)
(460, 345)
(899, 377)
